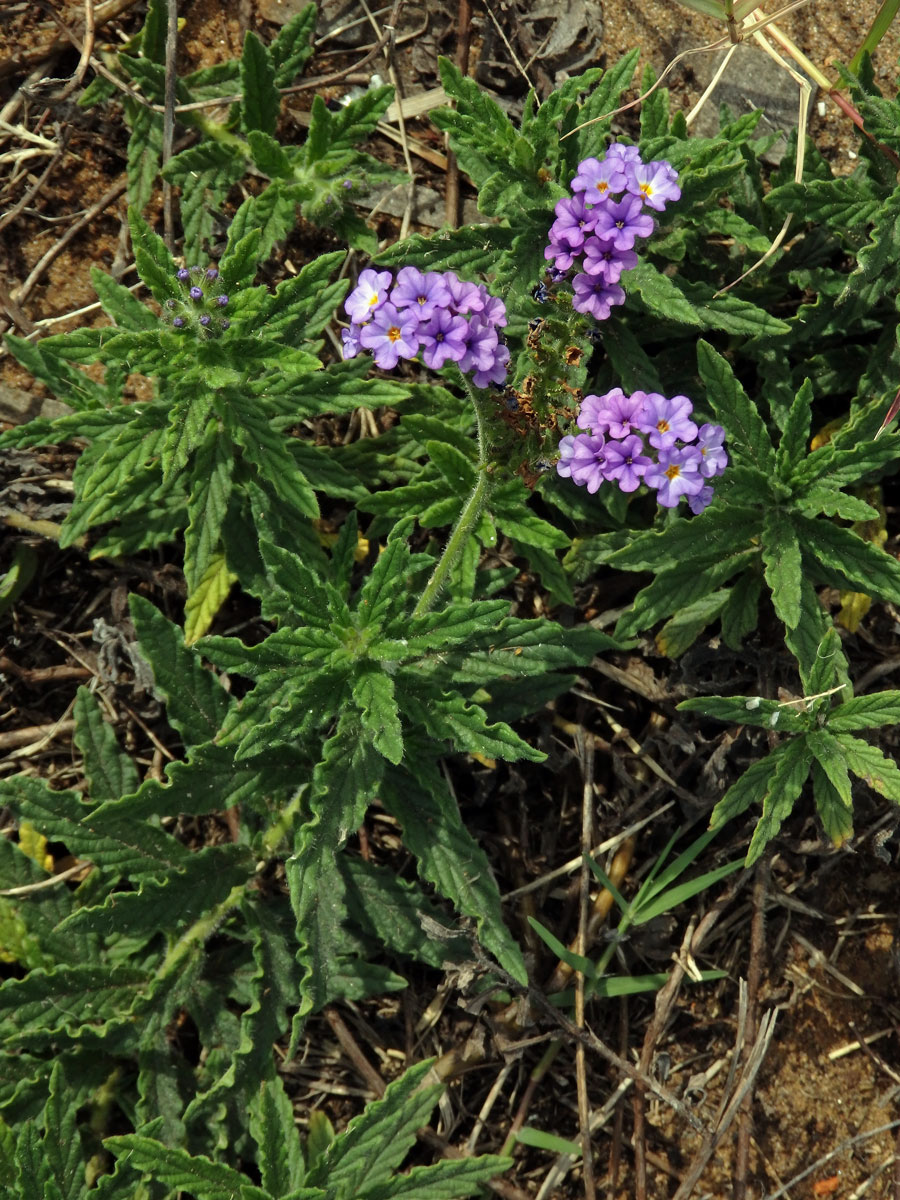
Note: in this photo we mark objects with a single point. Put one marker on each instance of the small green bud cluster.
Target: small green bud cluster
(201, 302)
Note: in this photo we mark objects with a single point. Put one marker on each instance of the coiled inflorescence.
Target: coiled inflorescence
(435, 314)
(644, 438)
(200, 302)
(596, 229)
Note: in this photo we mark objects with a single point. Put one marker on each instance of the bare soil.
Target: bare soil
(814, 932)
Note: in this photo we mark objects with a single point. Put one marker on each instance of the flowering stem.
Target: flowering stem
(471, 510)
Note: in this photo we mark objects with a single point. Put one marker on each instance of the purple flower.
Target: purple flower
(654, 183)
(603, 260)
(481, 346)
(493, 310)
(212, 273)
(574, 221)
(443, 337)
(205, 320)
(225, 324)
(702, 500)
(423, 293)
(178, 322)
(391, 335)
(593, 296)
(581, 459)
(676, 474)
(183, 275)
(464, 297)
(369, 294)
(196, 293)
(619, 223)
(222, 300)
(625, 463)
(563, 257)
(712, 452)
(350, 338)
(626, 154)
(599, 179)
(497, 372)
(667, 421)
(613, 414)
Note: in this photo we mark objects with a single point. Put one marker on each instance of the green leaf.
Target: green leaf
(661, 294)
(67, 1002)
(746, 710)
(377, 1141)
(679, 588)
(154, 262)
(741, 612)
(795, 435)
(805, 639)
(204, 173)
(196, 703)
(261, 100)
(265, 448)
(717, 532)
(373, 692)
(397, 915)
(109, 771)
(120, 305)
(62, 1145)
(784, 787)
(195, 1174)
(144, 152)
(870, 569)
(115, 844)
(880, 773)
(729, 313)
(212, 479)
(748, 440)
(782, 557)
(210, 593)
(442, 1181)
(268, 155)
(293, 46)
(747, 790)
(280, 1156)
(449, 857)
(834, 807)
(866, 712)
(682, 630)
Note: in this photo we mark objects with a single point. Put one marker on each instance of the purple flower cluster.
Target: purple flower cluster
(435, 314)
(595, 230)
(197, 306)
(644, 438)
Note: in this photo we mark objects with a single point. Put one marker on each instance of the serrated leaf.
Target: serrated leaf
(268, 156)
(209, 594)
(443, 1180)
(280, 1155)
(212, 480)
(869, 281)
(678, 588)
(293, 46)
(748, 439)
(195, 1174)
(795, 435)
(717, 531)
(782, 557)
(115, 844)
(377, 1141)
(154, 262)
(204, 173)
(109, 771)
(67, 1001)
(741, 613)
(265, 448)
(373, 692)
(821, 498)
(681, 631)
(804, 640)
(196, 703)
(835, 809)
(880, 773)
(450, 858)
(261, 100)
(120, 305)
(746, 710)
(144, 151)
(866, 712)
(784, 787)
(661, 294)
(729, 313)
(868, 568)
